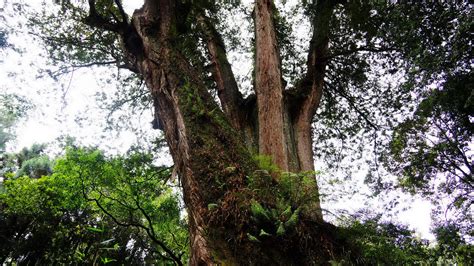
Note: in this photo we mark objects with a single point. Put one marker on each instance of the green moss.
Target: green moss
(265, 162)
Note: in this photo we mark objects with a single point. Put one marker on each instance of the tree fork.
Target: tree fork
(310, 90)
(199, 136)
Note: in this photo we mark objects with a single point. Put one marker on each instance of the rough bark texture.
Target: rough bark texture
(227, 89)
(311, 90)
(211, 148)
(166, 74)
(269, 87)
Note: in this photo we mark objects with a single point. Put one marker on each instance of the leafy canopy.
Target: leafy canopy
(92, 207)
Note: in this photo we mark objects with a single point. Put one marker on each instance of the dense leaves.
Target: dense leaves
(92, 208)
(432, 152)
(399, 90)
(431, 149)
(388, 243)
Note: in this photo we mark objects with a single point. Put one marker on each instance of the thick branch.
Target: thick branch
(132, 45)
(227, 89)
(307, 96)
(122, 11)
(94, 19)
(268, 86)
(310, 90)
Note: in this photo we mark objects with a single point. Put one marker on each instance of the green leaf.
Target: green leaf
(263, 233)
(281, 229)
(95, 230)
(291, 223)
(259, 212)
(252, 238)
(212, 206)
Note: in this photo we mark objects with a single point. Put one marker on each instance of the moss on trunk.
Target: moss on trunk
(239, 212)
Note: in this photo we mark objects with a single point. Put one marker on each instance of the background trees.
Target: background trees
(13, 108)
(98, 209)
(92, 209)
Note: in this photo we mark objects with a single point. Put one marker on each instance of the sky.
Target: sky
(59, 104)
(68, 106)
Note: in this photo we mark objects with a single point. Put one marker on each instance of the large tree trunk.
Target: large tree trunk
(212, 147)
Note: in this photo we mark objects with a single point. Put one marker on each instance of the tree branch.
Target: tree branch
(151, 234)
(353, 105)
(94, 19)
(122, 11)
(227, 89)
(305, 98)
(269, 86)
(309, 92)
(362, 49)
(454, 143)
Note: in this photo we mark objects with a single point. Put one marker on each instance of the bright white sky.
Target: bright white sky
(59, 106)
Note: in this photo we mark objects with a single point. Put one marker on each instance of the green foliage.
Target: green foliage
(30, 162)
(431, 151)
(387, 243)
(12, 108)
(451, 247)
(387, 59)
(252, 238)
(40, 224)
(420, 44)
(259, 213)
(25, 154)
(265, 163)
(279, 200)
(25, 195)
(35, 167)
(399, 88)
(299, 188)
(73, 43)
(131, 190)
(92, 208)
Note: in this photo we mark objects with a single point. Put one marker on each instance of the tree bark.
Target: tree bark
(207, 144)
(269, 87)
(227, 88)
(310, 91)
